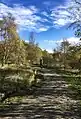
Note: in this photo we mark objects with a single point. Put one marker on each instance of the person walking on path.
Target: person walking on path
(41, 62)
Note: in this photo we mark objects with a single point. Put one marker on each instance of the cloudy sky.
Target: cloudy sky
(47, 18)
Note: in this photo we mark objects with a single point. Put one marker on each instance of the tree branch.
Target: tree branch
(77, 2)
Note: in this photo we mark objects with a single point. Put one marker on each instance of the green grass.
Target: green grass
(73, 78)
(15, 79)
(75, 85)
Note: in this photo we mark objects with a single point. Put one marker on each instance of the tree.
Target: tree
(45, 56)
(1, 43)
(33, 53)
(57, 57)
(6, 27)
(38, 53)
(32, 38)
(10, 41)
(32, 50)
(75, 16)
(64, 49)
(74, 57)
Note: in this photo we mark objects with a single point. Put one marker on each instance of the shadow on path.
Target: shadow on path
(51, 101)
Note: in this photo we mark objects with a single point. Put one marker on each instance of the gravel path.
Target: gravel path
(52, 101)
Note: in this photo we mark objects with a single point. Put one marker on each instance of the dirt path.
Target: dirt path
(52, 101)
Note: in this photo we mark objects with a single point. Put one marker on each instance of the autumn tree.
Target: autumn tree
(74, 11)
(33, 52)
(11, 45)
(6, 34)
(64, 49)
(57, 57)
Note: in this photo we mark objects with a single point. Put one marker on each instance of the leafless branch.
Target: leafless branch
(77, 2)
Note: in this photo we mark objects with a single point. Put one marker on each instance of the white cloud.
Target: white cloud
(50, 50)
(60, 22)
(56, 43)
(71, 40)
(60, 16)
(45, 14)
(43, 29)
(67, 14)
(26, 18)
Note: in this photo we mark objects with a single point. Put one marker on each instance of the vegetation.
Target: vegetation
(13, 50)
(16, 55)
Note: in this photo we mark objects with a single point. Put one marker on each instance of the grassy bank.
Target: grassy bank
(16, 82)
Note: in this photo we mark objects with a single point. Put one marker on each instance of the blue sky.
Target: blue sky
(47, 18)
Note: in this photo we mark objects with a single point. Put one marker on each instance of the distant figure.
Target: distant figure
(41, 62)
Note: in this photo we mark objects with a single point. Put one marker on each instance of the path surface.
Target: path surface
(52, 101)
